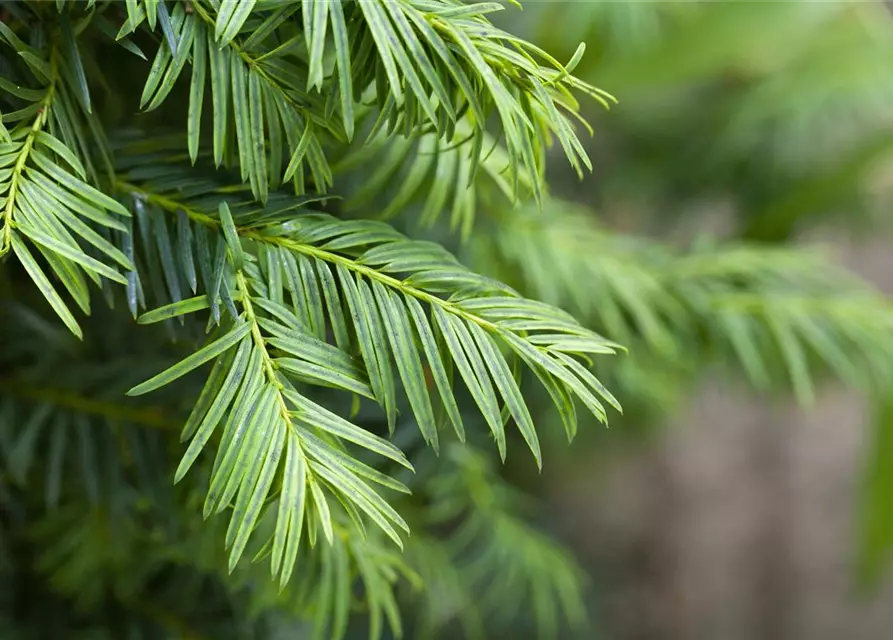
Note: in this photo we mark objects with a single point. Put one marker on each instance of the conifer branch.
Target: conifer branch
(21, 156)
(353, 267)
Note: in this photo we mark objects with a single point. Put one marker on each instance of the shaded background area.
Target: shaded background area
(733, 515)
(737, 525)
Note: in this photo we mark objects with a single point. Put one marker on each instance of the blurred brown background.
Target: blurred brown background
(738, 521)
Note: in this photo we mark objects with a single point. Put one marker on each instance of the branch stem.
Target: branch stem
(172, 206)
(36, 127)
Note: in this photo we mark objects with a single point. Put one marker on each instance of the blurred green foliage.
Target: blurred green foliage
(776, 118)
(783, 108)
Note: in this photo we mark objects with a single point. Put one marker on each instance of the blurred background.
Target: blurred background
(729, 513)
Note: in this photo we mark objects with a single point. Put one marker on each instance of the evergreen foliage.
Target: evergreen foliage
(280, 414)
(212, 226)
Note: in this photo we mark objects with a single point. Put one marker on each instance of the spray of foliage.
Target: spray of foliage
(245, 389)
